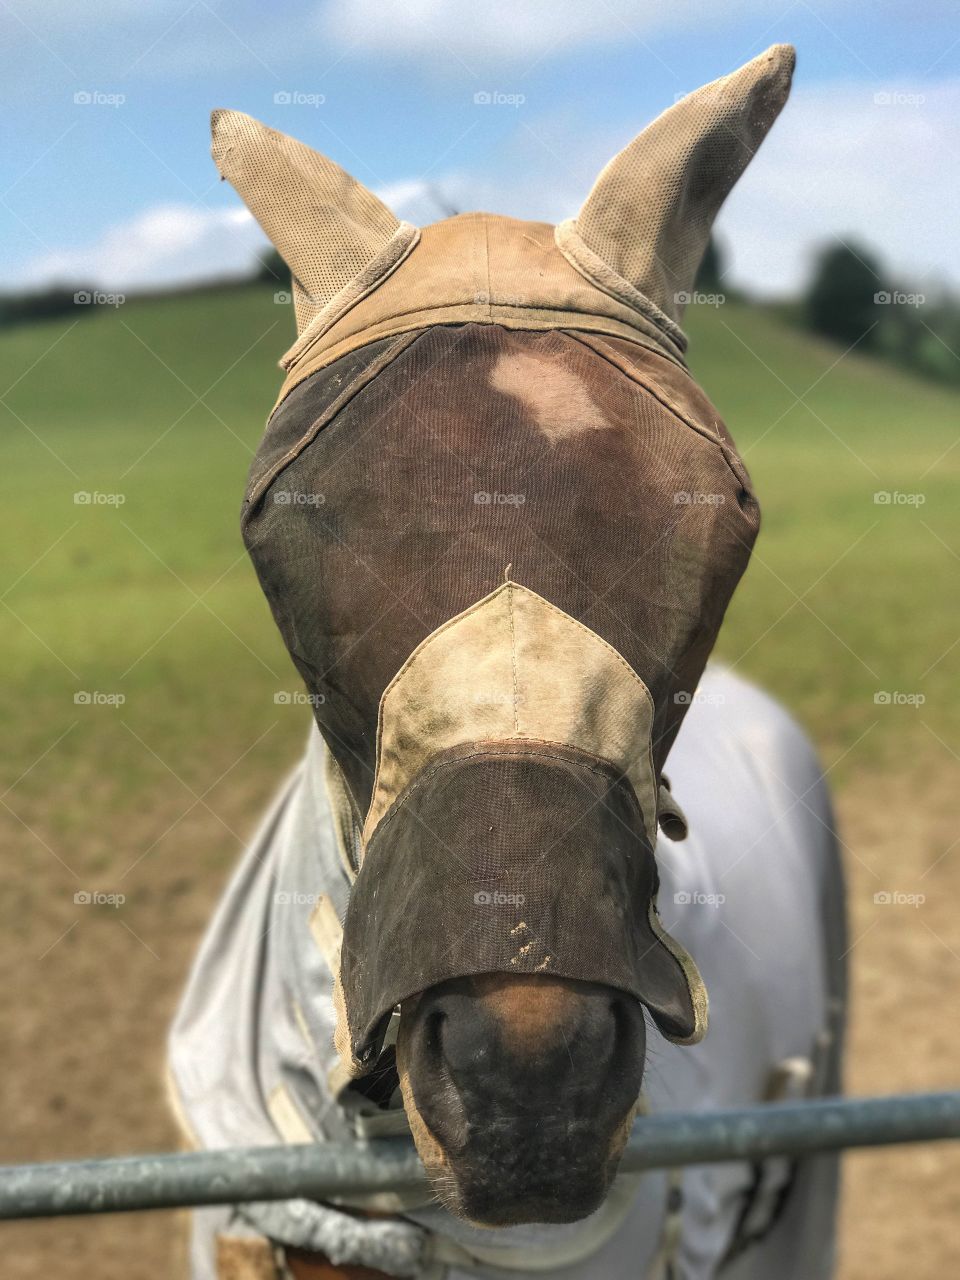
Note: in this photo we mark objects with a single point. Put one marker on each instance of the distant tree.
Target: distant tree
(57, 300)
(273, 270)
(842, 300)
(710, 274)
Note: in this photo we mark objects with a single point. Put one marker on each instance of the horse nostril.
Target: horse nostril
(433, 1034)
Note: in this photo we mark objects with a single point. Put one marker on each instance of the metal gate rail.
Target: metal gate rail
(326, 1171)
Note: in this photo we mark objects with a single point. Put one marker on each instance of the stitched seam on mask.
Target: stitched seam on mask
(658, 393)
(647, 382)
(424, 777)
(363, 378)
(382, 265)
(478, 604)
(513, 656)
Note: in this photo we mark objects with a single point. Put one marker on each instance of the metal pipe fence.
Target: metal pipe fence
(327, 1171)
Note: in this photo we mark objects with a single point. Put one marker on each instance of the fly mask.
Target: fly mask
(498, 526)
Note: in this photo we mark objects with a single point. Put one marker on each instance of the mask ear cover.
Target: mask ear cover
(644, 227)
(339, 241)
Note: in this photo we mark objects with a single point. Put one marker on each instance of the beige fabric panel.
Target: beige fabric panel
(514, 666)
(481, 268)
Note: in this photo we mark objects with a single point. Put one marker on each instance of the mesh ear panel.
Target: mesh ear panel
(327, 226)
(649, 214)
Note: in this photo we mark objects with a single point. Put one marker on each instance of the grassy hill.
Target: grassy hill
(162, 401)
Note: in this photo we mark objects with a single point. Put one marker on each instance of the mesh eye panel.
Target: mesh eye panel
(372, 535)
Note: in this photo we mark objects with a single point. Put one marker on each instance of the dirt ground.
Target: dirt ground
(89, 994)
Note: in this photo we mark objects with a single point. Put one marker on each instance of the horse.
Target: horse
(498, 525)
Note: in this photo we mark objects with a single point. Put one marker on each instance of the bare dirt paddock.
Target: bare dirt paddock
(86, 1020)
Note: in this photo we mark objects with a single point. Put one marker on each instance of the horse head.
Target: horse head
(498, 525)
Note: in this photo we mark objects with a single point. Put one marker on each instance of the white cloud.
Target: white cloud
(509, 30)
(166, 245)
(839, 162)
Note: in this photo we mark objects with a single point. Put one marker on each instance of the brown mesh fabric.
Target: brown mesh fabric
(613, 495)
(514, 858)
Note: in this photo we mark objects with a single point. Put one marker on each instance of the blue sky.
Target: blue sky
(106, 176)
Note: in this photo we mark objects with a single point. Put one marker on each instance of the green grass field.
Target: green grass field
(162, 401)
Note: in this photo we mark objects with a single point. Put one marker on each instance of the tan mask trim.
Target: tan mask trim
(691, 975)
(514, 666)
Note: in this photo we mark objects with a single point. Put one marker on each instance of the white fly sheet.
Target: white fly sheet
(754, 893)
